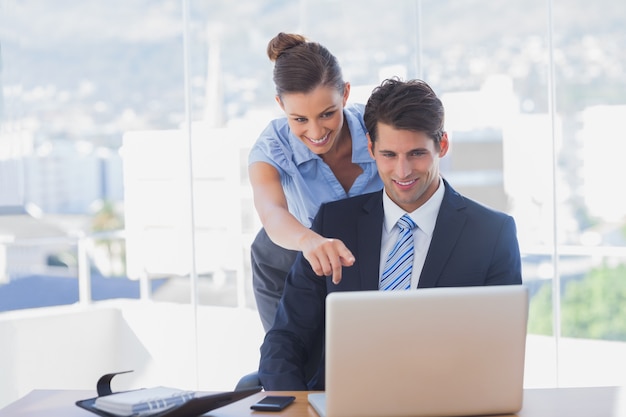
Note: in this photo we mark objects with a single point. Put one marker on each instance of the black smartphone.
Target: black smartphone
(273, 403)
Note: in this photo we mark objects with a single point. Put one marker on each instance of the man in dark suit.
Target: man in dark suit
(457, 242)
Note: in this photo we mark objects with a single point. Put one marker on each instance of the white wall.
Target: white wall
(70, 347)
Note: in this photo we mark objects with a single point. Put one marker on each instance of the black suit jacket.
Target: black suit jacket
(471, 245)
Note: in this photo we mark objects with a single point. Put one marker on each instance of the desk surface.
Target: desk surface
(553, 402)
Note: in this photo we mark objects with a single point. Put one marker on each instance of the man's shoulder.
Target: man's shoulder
(341, 215)
(470, 205)
(354, 201)
(482, 209)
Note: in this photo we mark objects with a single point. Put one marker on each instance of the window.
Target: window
(124, 199)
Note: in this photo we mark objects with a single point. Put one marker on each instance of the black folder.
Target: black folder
(190, 408)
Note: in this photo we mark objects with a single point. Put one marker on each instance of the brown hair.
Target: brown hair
(300, 65)
(407, 105)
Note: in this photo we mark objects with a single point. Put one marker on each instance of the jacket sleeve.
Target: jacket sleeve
(298, 326)
(506, 264)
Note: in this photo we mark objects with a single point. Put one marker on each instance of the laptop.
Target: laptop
(447, 352)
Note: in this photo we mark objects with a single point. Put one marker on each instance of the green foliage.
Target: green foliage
(595, 307)
(591, 308)
(540, 312)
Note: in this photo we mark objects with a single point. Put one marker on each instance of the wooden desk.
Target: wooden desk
(553, 402)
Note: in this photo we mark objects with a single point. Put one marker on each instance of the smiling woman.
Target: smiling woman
(317, 153)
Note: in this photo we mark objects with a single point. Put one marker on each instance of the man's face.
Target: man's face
(408, 164)
(316, 118)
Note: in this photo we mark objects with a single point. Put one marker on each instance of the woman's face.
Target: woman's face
(316, 118)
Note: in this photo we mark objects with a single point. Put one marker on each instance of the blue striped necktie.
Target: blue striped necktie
(397, 271)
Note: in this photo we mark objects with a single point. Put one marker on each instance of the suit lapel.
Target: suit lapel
(369, 234)
(448, 227)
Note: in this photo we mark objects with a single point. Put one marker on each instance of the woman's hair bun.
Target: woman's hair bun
(281, 42)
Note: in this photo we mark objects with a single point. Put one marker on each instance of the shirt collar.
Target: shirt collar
(360, 151)
(301, 153)
(424, 216)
